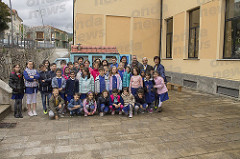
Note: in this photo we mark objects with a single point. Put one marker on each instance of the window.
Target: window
(232, 30)
(194, 25)
(39, 35)
(169, 37)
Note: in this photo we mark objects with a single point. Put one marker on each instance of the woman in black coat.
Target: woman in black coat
(16, 82)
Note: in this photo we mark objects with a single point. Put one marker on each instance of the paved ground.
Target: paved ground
(192, 126)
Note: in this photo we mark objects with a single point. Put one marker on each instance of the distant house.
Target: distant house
(48, 36)
(17, 26)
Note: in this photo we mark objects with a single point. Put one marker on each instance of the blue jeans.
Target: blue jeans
(137, 107)
(104, 108)
(75, 111)
(134, 91)
(127, 108)
(45, 99)
(69, 97)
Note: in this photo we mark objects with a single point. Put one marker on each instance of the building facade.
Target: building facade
(199, 42)
(48, 36)
(132, 26)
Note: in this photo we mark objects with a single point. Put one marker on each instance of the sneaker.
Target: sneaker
(85, 114)
(20, 115)
(101, 114)
(34, 113)
(45, 112)
(151, 110)
(113, 112)
(120, 112)
(30, 113)
(130, 115)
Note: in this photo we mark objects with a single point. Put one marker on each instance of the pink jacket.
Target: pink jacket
(95, 73)
(160, 85)
(85, 109)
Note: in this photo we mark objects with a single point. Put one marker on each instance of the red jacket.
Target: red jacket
(95, 73)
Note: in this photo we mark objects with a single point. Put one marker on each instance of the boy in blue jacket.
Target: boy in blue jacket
(72, 86)
(75, 105)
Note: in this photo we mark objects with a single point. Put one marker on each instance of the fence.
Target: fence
(19, 41)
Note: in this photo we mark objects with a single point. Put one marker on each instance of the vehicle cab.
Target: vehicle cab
(93, 52)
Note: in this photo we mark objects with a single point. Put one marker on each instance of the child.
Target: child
(162, 90)
(47, 64)
(79, 73)
(72, 86)
(45, 87)
(31, 77)
(89, 104)
(115, 81)
(76, 67)
(75, 105)
(59, 82)
(127, 77)
(80, 60)
(105, 63)
(142, 73)
(86, 83)
(106, 68)
(149, 91)
(70, 66)
(87, 64)
(114, 62)
(121, 70)
(95, 71)
(140, 104)
(16, 82)
(53, 68)
(66, 73)
(135, 82)
(56, 105)
(129, 102)
(63, 65)
(116, 102)
(103, 103)
(101, 82)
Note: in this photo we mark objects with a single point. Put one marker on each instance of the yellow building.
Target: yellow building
(200, 39)
(133, 26)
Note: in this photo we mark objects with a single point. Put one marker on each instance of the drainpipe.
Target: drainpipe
(73, 22)
(160, 41)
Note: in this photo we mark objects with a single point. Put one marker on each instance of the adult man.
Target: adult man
(135, 62)
(145, 66)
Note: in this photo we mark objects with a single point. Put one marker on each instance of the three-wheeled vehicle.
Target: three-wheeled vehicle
(93, 52)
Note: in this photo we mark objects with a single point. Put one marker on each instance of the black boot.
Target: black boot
(20, 109)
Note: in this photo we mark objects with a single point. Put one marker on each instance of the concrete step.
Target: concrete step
(4, 111)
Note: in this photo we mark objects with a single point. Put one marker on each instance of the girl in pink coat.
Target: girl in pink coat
(162, 90)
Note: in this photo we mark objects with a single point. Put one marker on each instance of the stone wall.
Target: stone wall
(12, 56)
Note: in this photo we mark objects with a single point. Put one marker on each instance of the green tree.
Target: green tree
(4, 16)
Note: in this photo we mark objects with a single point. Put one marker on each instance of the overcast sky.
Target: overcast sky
(57, 13)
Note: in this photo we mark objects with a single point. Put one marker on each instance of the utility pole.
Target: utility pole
(10, 4)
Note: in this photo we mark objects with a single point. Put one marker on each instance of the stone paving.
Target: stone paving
(192, 126)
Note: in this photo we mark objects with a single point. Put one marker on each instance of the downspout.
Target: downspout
(160, 41)
(73, 21)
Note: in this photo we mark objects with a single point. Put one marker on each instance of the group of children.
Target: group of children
(82, 90)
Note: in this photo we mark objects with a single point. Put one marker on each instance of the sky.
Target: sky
(57, 13)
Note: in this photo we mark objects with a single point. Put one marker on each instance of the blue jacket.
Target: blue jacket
(55, 83)
(160, 69)
(72, 86)
(149, 90)
(74, 103)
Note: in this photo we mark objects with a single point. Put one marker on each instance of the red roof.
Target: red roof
(82, 49)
